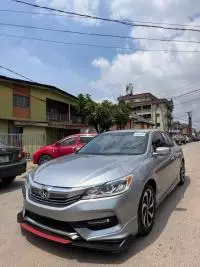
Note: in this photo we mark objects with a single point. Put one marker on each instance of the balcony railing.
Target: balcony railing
(63, 117)
(58, 117)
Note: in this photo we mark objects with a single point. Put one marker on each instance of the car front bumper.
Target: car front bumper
(122, 209)
(12, 169)
(115, 245)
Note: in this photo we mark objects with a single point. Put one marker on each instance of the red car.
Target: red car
(66, 146)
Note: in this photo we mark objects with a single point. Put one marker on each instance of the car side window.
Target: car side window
(68, 142)
(158, 140)
(168, 140)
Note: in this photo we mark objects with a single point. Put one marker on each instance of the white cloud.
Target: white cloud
(155, 10)
(89, 7)
(162, 73)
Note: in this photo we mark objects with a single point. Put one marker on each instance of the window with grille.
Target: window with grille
(20, 101)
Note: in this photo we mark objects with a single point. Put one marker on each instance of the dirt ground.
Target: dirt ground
(174, 241)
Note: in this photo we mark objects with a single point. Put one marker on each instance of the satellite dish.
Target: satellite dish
(129, 89)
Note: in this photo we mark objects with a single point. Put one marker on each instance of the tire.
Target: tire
(43, 159)
(146, 211)
(7, 180)
(182, 173)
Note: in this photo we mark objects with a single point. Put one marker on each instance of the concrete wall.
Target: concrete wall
(5, 101)
(162, 119)
(38, 102)
(3, 126)
(31, 130)
(33, 138)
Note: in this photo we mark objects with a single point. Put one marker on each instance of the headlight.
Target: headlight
(29, 177)
(109, 189)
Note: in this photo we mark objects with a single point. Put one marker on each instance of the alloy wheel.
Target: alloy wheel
(182, 174)
(148, 208)
(44, 159)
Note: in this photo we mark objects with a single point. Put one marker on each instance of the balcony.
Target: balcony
(54, 116)
(57, 116)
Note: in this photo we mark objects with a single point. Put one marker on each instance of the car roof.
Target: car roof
(135, 130)
(80, 134)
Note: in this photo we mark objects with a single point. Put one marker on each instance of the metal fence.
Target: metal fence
(28, 142)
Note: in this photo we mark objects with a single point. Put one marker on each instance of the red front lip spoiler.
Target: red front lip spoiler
(44, 235)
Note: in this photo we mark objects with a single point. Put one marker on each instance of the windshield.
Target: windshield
(117, 143)
(85, 139)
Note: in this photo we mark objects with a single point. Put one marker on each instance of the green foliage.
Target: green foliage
(122, 114)
(103, 115)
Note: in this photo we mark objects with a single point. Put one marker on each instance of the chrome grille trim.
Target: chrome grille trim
(54, 202)
(55, 196)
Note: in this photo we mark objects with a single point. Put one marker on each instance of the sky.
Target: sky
(102, 72)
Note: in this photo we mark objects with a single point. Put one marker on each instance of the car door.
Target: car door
(175, 157)
(67, 146)
(162, 165)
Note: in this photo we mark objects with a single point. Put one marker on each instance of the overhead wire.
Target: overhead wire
(16, 73)
(63, 15)
(105, 19)
(96, 34)
(187, 93)
(189, 101)
(97, 46)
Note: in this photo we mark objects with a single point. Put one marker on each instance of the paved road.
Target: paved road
(174, 241)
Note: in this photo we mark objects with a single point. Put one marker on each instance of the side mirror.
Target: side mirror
(161, 151)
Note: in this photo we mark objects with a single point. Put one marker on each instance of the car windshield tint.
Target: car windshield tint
(86, 139)
(117, 143)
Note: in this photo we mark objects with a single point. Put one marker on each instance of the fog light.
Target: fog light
(99, 222)
(103, 223)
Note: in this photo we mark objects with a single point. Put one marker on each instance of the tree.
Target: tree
(103, 115)
(84, 106)
(122, 114)
(106, 115)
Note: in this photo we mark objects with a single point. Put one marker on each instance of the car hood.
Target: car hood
(85, 170)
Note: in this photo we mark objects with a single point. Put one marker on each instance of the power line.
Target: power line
(22, 76)
(196, 99)
(98, 46)
(96, 34)
(63, 15)
(161, 23)
(105, 19)
(187, 93)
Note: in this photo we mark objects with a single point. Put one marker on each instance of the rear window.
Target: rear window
(86, 139)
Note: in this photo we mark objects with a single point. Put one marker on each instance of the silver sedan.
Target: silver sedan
(105, 193)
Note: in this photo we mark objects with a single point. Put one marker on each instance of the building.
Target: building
(156, 111)
(138, 122)
(34, 109)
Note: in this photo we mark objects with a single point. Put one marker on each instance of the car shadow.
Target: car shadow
(83, 255)
(15, 185)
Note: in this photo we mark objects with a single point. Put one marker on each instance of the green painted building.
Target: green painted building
(31, 108)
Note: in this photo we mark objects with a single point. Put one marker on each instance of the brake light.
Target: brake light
(21, 155)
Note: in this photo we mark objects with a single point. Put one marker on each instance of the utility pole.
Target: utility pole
(190, 122)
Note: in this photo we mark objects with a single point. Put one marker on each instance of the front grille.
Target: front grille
(57, 225)
(54, 196)
(58, 202)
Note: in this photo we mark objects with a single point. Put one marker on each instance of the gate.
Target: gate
(29, 143)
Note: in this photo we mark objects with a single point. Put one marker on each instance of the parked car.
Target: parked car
(195, 139)
(12, 163)
(61, 148)
(104, 194)
(180, 139)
